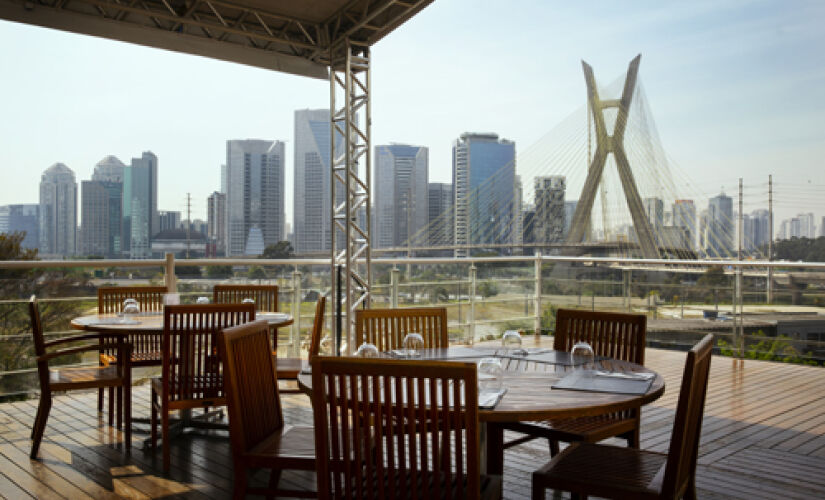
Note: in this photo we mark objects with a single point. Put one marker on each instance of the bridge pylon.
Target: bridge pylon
(606, 144)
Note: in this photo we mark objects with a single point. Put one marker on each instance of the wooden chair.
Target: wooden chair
(69, 379)
(386, 328)
(616, 472)
(289, 368)
(265, 296)
(360, 407)
(145, 346)
(614, 335)
(191, 375)
(256, 424)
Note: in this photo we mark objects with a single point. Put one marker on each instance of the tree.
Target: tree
(256, 273)
(217, 272)
(280, 250)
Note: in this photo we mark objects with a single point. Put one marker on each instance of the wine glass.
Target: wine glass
(490, 375)
(583, 353)
(366, 350)
(325, 345)
(511, 341)
(202, 300)
(130, 308)
(248, 300)
(413, 343)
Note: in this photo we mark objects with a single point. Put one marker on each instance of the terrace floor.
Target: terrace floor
(763, 437)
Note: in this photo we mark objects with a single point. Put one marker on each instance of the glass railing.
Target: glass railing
(762, 310)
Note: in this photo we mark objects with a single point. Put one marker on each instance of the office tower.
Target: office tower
(655, 211)
(549, 220)
(311, 208)
(517, 224)
(223, 179)
(684, 216)
(58, 211)
(140, 205)
(719, 227)
(569, 210)
(821, 231)
(400, 195)
(22, 218)
(807, 225)
(756, 227)
(440, 214)
(101, 208)
(168, 219)
(528, 228)
(216, 221)
(254, 195)
(484, 183)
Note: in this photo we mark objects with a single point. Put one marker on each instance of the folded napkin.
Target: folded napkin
(487, 400)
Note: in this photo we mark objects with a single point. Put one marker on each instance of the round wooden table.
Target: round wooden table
(529, 397)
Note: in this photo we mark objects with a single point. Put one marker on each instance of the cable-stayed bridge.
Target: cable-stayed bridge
(614, 166)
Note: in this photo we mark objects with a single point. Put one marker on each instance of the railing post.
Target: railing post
(295, 330)
(626, 280)
(538, 310)
(169, 278)
(471, 320)
(395, 276)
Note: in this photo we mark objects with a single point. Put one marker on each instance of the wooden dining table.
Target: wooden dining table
(153, 322)
(528, 378)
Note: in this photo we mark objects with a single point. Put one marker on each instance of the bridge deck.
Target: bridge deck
(763, 437)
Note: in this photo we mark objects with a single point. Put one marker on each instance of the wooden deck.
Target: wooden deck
(763, 437)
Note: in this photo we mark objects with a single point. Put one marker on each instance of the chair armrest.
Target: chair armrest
(124, 351)
(75, 338)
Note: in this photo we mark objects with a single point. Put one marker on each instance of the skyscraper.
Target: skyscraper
(655, 211)
(440, 214)
(58, 211)
(254, 195)
(311, 203)
(569, 210)
(101, 209)
(484, 183)
(719, 227)
(22, 218)
(401, 195)
(216, 221)
(756, 227)
(140, 205)
(549, 219)
(684, 216)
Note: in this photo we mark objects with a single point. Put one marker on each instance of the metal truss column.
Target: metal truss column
(349, 79)
(606, 144)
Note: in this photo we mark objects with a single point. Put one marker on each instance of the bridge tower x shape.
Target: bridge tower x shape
(606, 144)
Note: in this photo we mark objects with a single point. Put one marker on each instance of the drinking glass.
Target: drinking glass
(366, 350)
(413, 343)
(130, 308)
(511, 341)
(583, 353)
(490, 375)
(248, 300)
(202, 300)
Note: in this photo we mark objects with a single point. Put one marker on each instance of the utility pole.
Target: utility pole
(769, 288)
(739, 293)
(188, 222)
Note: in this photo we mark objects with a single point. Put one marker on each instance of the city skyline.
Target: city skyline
(704, 65)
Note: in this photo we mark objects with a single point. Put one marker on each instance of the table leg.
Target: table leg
(493, 449)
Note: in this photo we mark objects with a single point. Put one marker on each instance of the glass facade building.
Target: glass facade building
(401, 195)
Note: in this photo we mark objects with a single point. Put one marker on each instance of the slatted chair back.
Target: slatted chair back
(110, 298)
(687, 427)
(386, 328)
(265, 296)
(317, 327)
(251, 386)
(191, 368)
(387, 428)
(614, 335)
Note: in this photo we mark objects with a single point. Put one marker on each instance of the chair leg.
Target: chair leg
(127, 413)
(690, 492)
(111, 405)
(45, 406)
(164, 436)
(274, 478)
(100, 400)
(239, 486)
(153, 422)
(37, 418)
(537, 489)
(554, 447)
(119, 407)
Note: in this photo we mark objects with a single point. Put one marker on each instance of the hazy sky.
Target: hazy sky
(737, 89)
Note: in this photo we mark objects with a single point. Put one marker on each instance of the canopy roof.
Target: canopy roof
(293, 36)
